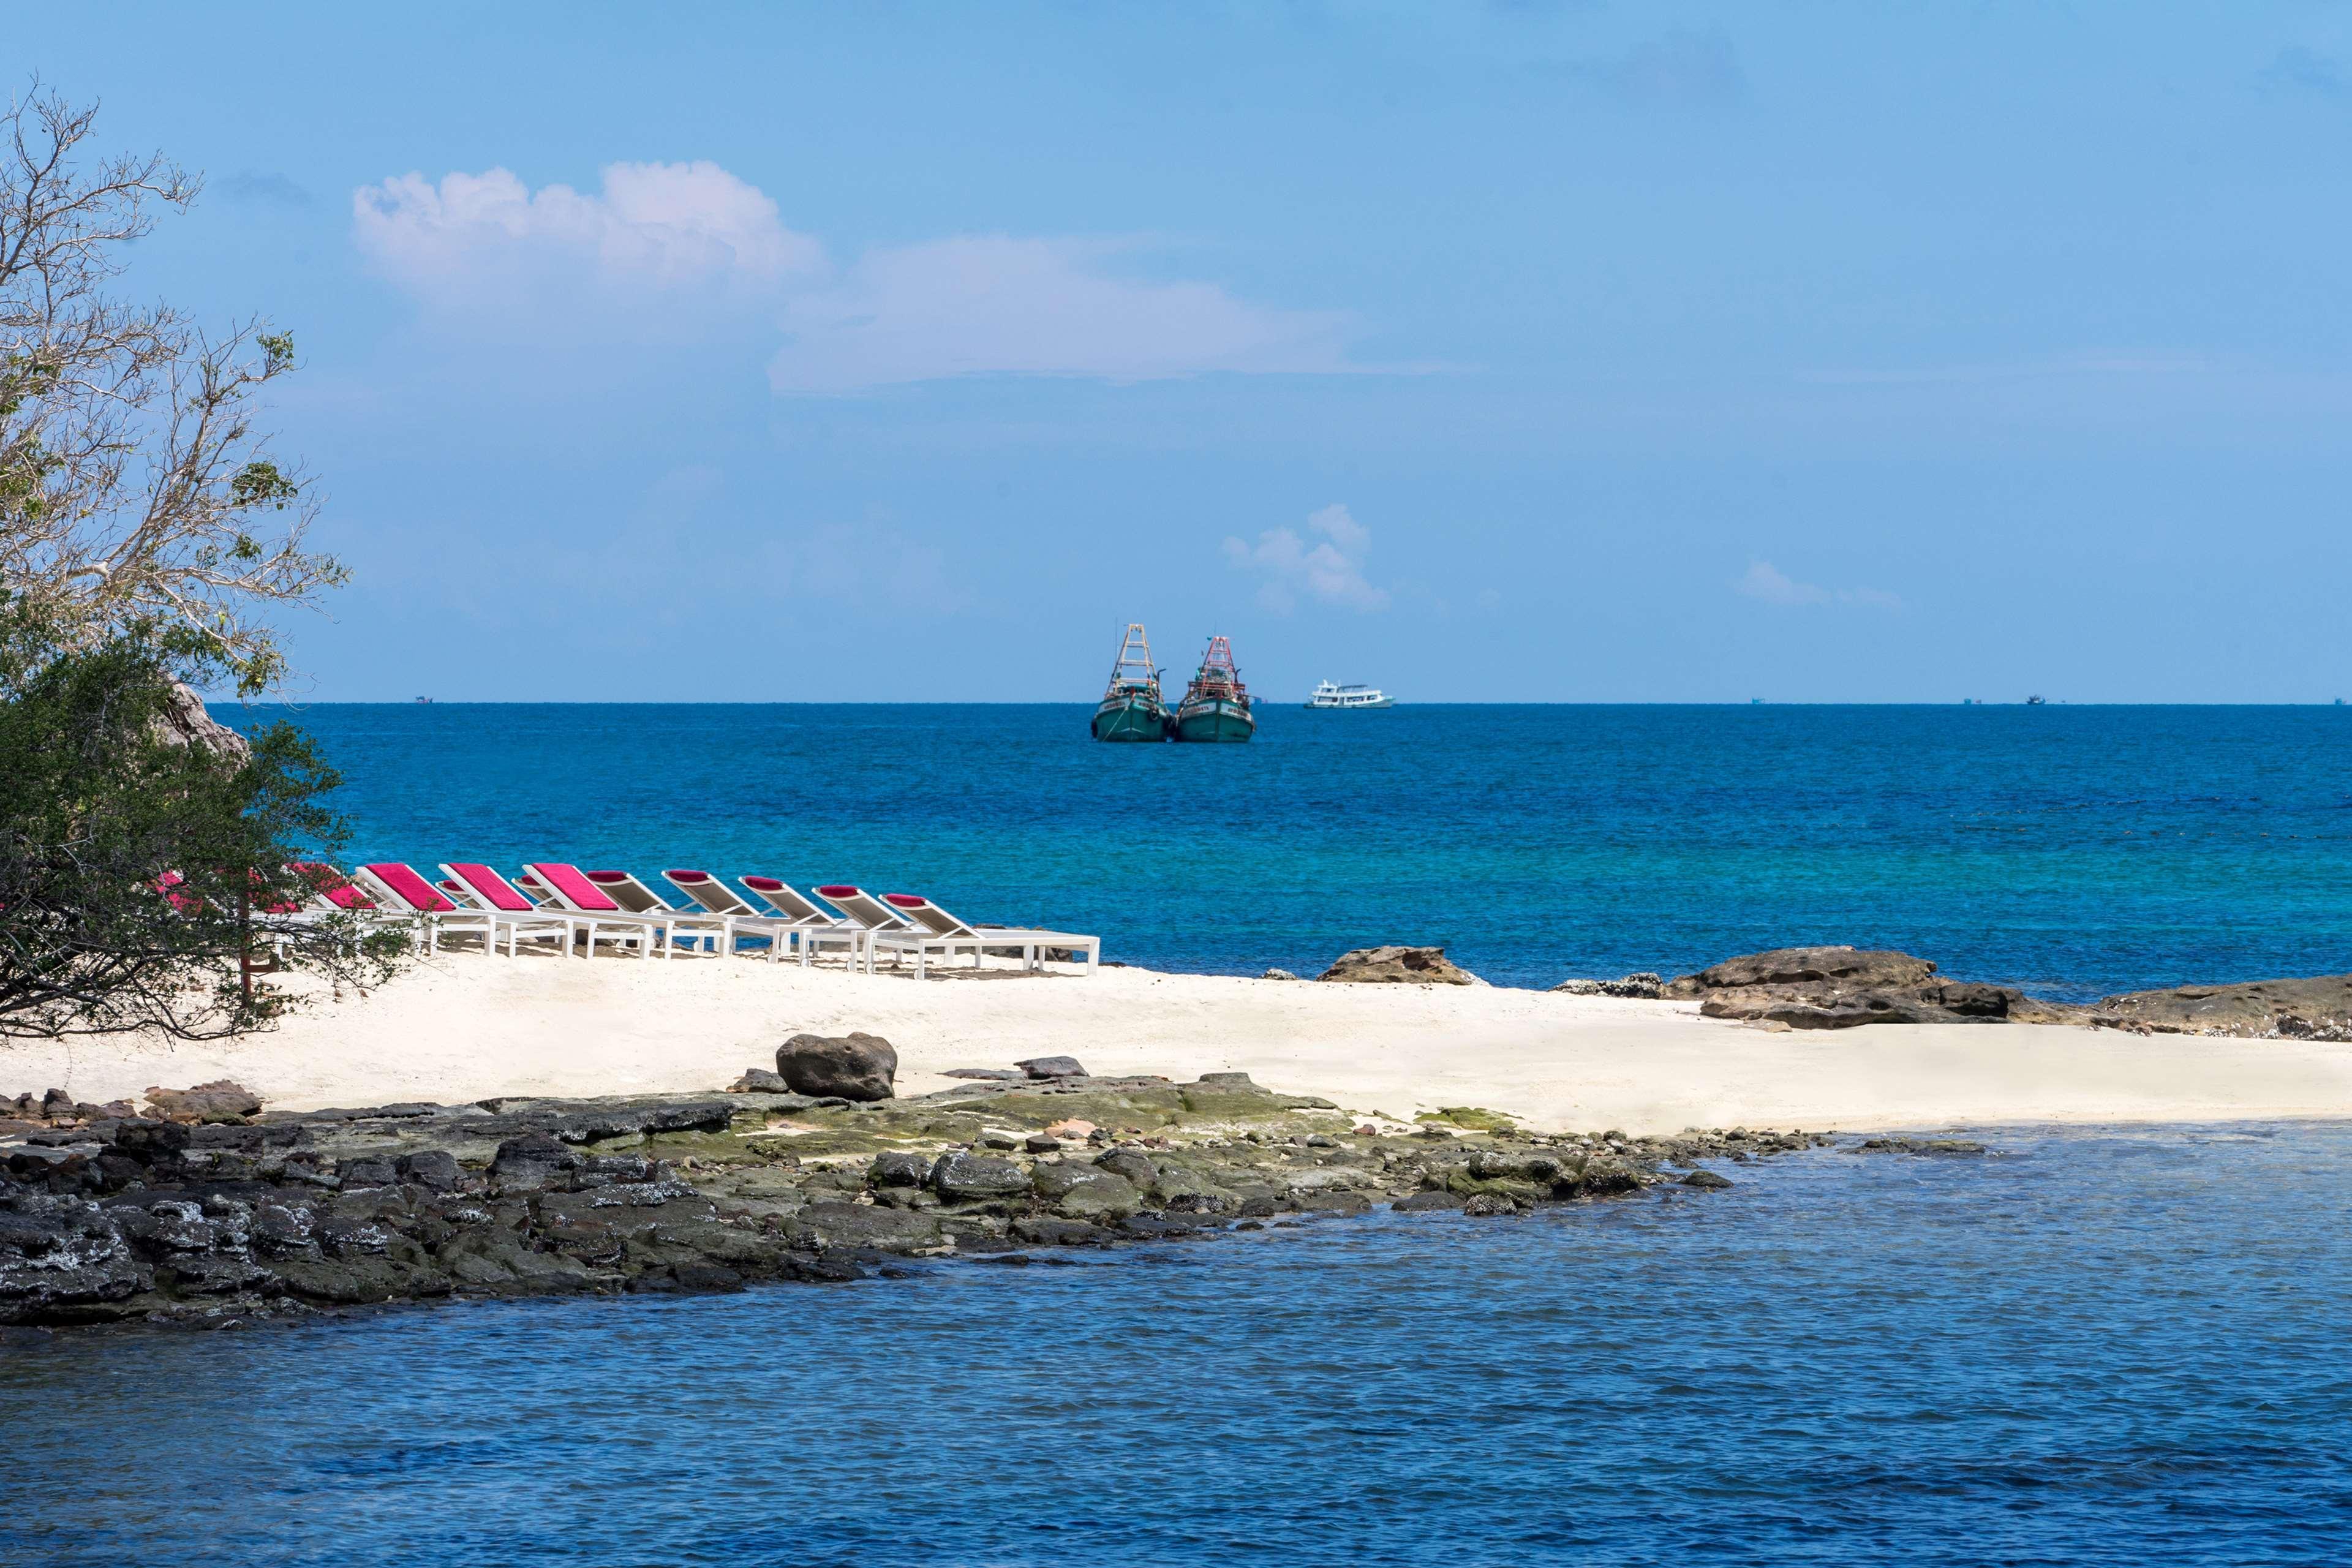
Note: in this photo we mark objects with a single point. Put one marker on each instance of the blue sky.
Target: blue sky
(1528, 352)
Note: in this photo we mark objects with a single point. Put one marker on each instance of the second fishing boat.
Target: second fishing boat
(1216, 705)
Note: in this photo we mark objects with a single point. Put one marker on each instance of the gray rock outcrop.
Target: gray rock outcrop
(2319, 1008)
(1843, 987)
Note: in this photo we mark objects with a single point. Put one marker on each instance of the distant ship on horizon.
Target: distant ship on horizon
(1328, 695)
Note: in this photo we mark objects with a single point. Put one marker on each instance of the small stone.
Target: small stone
(1052, 1066)
(1321, 1140)
(1368, 1130)
(760, 1080)
(898, 1169)
(999, 1140)
(1706, 1180)
(1038, 1143)
(218, 1102)
(1278, 974)
(1072, 1128)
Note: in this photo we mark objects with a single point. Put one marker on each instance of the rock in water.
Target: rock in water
(857, 1066)
(1398, 966)
(220, 1102)
(1052, 1066)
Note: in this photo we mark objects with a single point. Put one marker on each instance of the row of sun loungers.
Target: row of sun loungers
(559, 903)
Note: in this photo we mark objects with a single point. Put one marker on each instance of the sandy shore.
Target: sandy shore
(463, 1027)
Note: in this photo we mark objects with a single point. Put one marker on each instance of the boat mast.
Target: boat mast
(1133, 666)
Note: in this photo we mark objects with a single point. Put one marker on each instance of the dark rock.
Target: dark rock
(1706, 1180)
(1052, 1066)
(531, 1162)
(898, 1169)
(956, 1174)
(58, 1106)
(1132, 1164)
(1044, 1230)
(1922, 1146)
(434, 1168)
(1422, 1203)
(1038, 1143)
(987, 1075)
(864, 1226)
(368, 1171)
(856, 1066)
(1843, 987)
(1397, 966)
(1487, 1204)
(759, 1080)
(219, 1101)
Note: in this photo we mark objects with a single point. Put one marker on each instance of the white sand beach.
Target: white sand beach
(462, 1027)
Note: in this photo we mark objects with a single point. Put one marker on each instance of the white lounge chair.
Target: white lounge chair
(863, 918)
(397, 886)
(937, 930)
(570, 886)
(482, 884)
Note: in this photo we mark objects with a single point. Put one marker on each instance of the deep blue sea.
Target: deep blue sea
(2098, 1347)
(2073, 851)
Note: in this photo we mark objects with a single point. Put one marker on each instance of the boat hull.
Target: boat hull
(1216, 720)
(1133, 719)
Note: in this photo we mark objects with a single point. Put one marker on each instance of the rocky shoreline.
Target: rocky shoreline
(223, 1217)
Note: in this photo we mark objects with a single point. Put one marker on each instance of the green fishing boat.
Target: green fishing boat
(1131, 708)
(1216, 705)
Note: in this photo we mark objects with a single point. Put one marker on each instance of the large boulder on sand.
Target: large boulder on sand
(2319, 1008)
(857, 1066)
(1398, 966)
(218, 1101)
(1858, 969)
(1840, 987)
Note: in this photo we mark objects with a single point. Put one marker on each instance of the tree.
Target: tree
(143, 879)
(134, 489)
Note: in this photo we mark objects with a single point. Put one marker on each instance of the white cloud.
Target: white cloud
(1331, 572)
(993, 304)
(488, 241)
(1767, 582)
(664, 246)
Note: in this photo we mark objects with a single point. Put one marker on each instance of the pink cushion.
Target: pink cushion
(905, 900)
(487, 883)
(837, 891)
(332, 885)
(765, 884)
(409, 886)
(568, 882)
(608, 879)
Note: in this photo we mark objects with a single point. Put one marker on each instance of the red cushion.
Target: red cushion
(837, 891)
(614, 879)
(688, 875)
(409, 886)
(486, 881)
(568, 881)
(905, 900)
(765, 884)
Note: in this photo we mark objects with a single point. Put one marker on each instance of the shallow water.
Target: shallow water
(2072, 851)
(2104, 1347)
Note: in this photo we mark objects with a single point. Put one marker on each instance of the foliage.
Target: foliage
(142, 878)
(134, 487)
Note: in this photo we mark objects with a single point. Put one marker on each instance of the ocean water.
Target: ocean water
(2072, 851)
(2095, 1347)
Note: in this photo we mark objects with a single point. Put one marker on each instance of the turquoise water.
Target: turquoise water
(2110, 1348)
(2072, 851)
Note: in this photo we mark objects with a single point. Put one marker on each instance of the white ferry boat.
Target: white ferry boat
(1329, 696)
